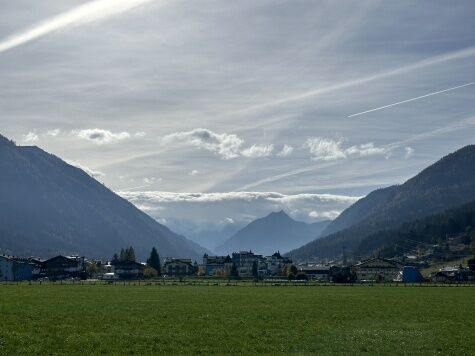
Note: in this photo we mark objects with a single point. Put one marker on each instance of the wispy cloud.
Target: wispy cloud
(30, 137)
(324, 149)
(100, 136)
(89, 12)
(151, 180)
(286, 151)
(225, 145)
(228, 146)
(258, 151)
(409, 152)
(53, 133)
(412, 99)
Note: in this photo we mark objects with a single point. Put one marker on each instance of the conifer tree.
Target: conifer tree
(154, 260)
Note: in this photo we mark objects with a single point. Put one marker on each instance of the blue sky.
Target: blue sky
(219, 98)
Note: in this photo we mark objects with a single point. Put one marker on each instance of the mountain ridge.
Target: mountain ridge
(49, 206)
(445, 184)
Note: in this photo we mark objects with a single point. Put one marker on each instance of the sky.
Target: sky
(213, 113)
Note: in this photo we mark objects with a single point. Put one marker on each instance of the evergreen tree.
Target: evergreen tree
(154, 260)
(131, 254)
(254, 269)
(122, 255)
(234, 271)
(115, 258)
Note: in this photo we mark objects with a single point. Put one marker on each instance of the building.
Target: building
(217, 265)
(276, 264)
(244, 262)
(178, 267)
(127, 269)
(377, 270)
(15, 270)
(62, 267)
(316, 272)
(453, 274)
(411, 274)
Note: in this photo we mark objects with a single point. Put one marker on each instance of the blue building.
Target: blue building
(411, 274)
(14, 270)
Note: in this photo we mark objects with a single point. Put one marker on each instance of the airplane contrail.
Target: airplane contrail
(89, 12)
(412, 99)
(455, 55)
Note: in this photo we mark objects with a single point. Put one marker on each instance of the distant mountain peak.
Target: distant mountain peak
(281, 214)
(275, 232)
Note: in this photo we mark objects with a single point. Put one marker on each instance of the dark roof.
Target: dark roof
(179, 260)
(64, 258)
(126, 263)
(393, 263)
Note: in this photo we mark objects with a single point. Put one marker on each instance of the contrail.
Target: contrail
(455, 55)
(413, 99)
(91, 11)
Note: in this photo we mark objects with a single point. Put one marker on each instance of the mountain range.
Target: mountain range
(275, 232)
(49, 207)
(446, 184)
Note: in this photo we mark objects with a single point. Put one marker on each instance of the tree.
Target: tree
(154, 261)
(115, 258)
(92, 269)
(130, 254)
(234, 271)
(255, 273)
(150, 272)
(122, 256)
(291, 272)
(471, 264)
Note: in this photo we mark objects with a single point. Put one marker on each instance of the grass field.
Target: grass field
(108, 319)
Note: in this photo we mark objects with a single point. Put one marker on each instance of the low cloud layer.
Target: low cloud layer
(191, 213)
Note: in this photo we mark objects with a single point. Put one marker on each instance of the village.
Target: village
(238, 265)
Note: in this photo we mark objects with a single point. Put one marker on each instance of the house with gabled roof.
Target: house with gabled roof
(217, 265)
(377, 269)
(178, 267)
(62, 267)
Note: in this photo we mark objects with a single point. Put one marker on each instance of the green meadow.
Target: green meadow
(179, 319)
